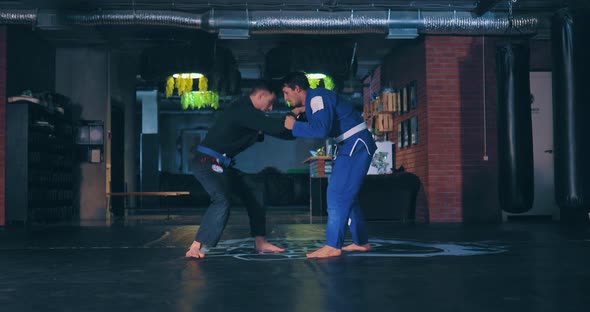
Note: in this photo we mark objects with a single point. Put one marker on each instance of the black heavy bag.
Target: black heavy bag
(515, 137)
(570, 36)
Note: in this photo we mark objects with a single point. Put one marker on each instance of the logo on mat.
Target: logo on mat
(297, 248)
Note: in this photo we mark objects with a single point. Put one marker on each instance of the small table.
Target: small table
(161, 194)
(317, 169)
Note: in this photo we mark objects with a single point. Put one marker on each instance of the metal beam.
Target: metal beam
(485, 5)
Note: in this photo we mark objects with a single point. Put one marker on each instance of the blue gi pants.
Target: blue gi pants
(344, 184)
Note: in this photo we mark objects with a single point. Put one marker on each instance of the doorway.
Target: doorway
(542, 123)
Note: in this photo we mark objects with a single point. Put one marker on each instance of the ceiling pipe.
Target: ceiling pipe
(18, 17)
(137, 17)
(298, 22)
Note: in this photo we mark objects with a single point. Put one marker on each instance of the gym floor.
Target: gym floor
(507, 267)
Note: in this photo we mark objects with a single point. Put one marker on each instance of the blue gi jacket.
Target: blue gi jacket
(329, 115)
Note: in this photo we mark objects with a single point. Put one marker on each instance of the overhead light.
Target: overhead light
(188, 75)
(315, 79)
(316, 76)
(402, 33)
(183, 83)
(233, 33)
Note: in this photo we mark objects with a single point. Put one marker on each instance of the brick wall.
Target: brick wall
(480, 179)
(404, 65)
(374, 85)
(444, 108)
(2, 123)
(456, 125)
(462, 185)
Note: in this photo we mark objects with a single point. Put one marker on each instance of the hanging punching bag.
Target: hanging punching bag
(515, 138)
(570, 35)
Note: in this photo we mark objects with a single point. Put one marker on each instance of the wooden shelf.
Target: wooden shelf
(318, 158)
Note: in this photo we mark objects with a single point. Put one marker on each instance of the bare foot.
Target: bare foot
(195, 251)
(262, 245)
(325, 252)
(355, 247)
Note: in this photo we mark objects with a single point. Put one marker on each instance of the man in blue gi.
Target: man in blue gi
(331, 116)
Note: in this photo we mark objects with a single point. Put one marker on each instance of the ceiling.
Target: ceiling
(196, 5)
(250, 53)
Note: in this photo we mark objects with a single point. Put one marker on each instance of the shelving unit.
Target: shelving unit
(39, 164)
(379, 113)
(394, 111)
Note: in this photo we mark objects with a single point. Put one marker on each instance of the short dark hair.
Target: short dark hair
(297, 78)
(261, 85)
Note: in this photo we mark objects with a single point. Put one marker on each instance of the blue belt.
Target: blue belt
(222, 159)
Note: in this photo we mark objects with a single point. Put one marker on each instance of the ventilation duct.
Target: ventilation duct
(138, 17)
(378, 22)
(298, 22)
(18, 16)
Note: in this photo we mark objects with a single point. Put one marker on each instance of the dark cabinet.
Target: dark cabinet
(382, 197)
(39, 164)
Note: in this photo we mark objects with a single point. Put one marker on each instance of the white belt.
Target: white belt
(352, 131)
